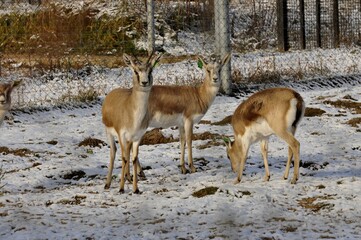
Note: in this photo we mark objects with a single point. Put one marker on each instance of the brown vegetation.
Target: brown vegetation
(313, 112)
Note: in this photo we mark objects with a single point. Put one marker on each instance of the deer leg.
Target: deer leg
(294, 145)
(125, 162)
(290, 155)
(189, 133)
(264, 149)
(245, 147)
(135, 165)
(113, 150)
(182, 146)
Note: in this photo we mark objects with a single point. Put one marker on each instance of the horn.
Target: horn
(150, 57)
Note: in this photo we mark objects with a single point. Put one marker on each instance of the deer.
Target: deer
(5, 97)
(183, 106)
(124, 114)
(274, 111)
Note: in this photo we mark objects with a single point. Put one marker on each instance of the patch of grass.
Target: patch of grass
(21, 152)
(223, 122)
(74, 175)
(347, 104)
(92, 142)
(57, 31)
(76, 200)
(205, 192)
(314, 112)
(155, 136)
(313, 204)
(355, 122)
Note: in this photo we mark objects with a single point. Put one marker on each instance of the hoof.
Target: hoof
(193, 169)
(266, 178)
(184, 170)
(121, 191)
(236, 181)
(137, 191)
(107, 186)
(294, 180)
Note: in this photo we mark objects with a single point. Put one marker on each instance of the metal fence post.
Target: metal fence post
(222, 32)
(302, 25)
(335, 23)
(150, 26)
(318, 23)
(282, 25)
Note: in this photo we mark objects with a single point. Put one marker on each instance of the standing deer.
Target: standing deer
(125, 117)
(5, 97)
(272, 111)
(184, 106)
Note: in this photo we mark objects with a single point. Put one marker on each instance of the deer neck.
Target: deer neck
(207, 93)
(139, 99)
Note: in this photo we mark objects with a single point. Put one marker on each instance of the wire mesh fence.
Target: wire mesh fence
(76, 55)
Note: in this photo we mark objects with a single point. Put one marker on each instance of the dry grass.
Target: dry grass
(347, 104)
(315, 204)
(314, 112)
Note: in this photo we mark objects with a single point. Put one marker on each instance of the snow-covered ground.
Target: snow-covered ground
(54, 188)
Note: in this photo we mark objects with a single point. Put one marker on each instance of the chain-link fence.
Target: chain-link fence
(72, 51)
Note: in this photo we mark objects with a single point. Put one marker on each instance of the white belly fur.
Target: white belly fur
(258, 130)
(166, 120)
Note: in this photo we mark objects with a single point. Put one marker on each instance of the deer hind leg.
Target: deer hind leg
(290, 155)
(189, 134)
(135, 166)
(113, 150)
(140, 171)
(294, 145)
(182, 146)
(264, 151)
(125, 146)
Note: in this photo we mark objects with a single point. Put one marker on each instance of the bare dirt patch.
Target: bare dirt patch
(314, 112)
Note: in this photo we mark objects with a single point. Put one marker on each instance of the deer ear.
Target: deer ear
(16, 83)
(201, 62)
(227, 142)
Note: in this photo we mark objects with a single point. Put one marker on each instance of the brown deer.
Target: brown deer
(125, 117)
(275, 111)
(5, 97)
(184, 106)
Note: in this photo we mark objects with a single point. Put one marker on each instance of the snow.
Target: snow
(39, 203)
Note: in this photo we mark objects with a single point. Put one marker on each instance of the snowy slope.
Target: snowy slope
(39, 201)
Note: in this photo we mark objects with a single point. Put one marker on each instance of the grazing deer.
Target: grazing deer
(125, 117)
(272, 111)
(184, 106)
(5, 97)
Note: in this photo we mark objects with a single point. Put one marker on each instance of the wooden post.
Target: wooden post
(282, 25)
(335, 23)
(318, 23)
(302, 25)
